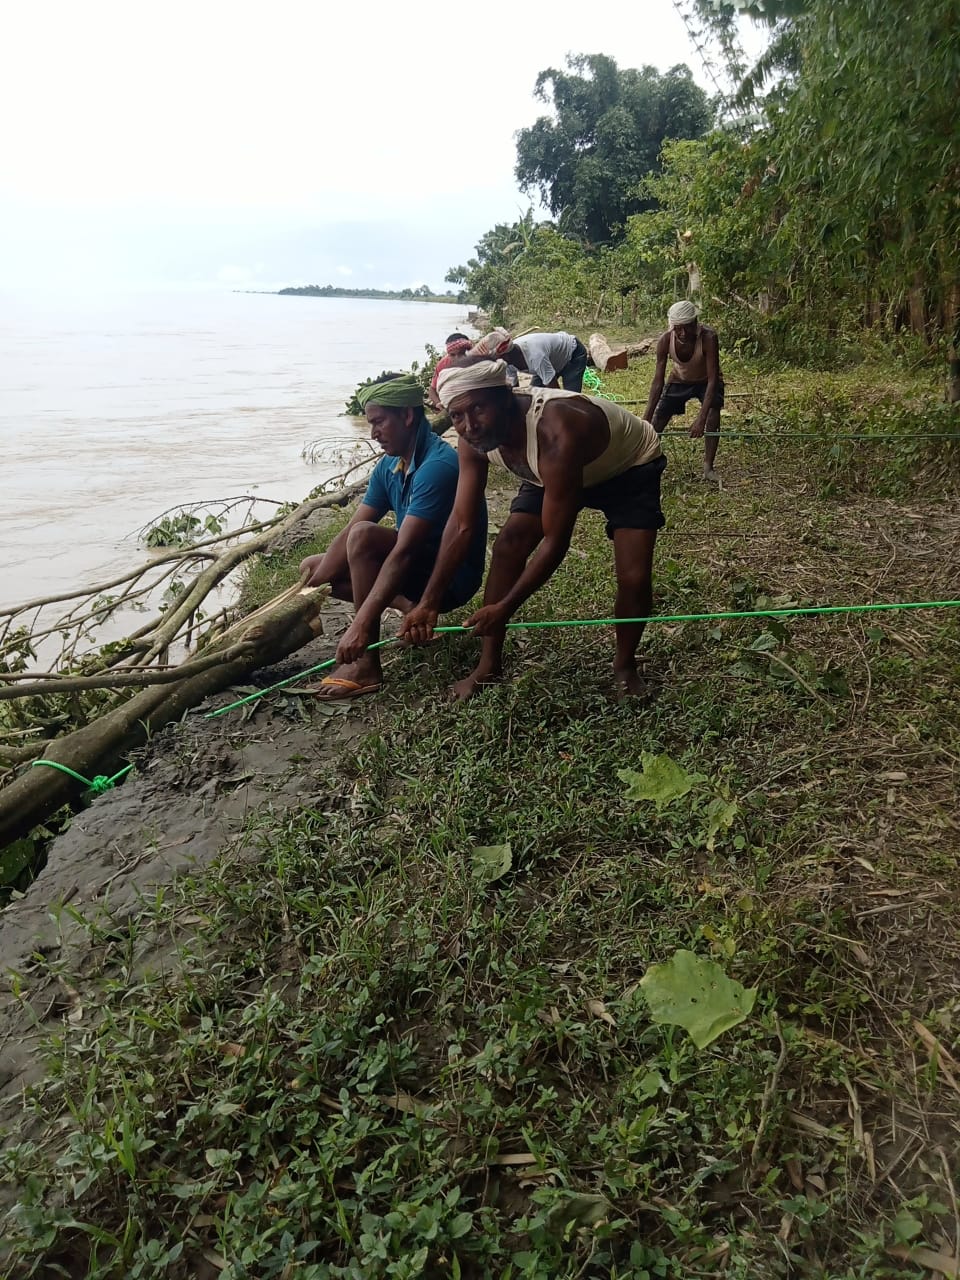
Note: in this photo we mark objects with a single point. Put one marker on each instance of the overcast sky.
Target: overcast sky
(192, 143)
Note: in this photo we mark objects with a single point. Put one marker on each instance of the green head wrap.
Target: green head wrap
(404, 392)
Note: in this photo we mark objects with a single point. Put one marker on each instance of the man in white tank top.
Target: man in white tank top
(569, 451)
(694, 351)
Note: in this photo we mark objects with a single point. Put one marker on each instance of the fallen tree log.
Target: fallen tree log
(57, 684)
(103, 744)
(92, 607)
(641, 348)
(604, 356)
(168, 628)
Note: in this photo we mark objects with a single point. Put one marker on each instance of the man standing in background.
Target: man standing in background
(694, 351)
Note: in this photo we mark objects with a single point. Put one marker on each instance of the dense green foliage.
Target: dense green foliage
(587, 162)
(827, 220)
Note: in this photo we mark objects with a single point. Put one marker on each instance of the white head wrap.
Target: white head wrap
(681, 313)
(492, 343)
(475, 377)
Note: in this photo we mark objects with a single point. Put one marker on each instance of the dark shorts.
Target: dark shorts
(630, 500)
(466, 583)
(571, 375)
(676, 396)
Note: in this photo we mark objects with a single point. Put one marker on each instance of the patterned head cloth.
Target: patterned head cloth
(493, 343)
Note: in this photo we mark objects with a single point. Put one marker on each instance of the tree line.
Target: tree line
(813, 209)
(421, 294)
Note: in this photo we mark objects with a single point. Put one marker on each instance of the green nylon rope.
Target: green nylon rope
(96, 786)
(818, 435)
(593, 384)
(591, 380)
(797, 611)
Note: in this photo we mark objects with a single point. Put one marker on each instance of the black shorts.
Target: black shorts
(676, 396)
(630, 500)
(464, 584)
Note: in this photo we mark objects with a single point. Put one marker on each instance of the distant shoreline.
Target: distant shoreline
(374, 295)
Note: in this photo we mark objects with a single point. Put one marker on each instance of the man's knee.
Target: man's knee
(635, 578)
(364, 536)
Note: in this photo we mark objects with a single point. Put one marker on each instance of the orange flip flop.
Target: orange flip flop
(336, 689)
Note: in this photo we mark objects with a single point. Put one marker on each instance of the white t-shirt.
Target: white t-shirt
(546, 354)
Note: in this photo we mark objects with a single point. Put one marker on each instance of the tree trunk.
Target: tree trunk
(603, 355)
(102, 744)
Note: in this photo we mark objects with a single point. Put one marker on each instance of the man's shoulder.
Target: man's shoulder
(568, 415)
(383, 468)
(439, 459)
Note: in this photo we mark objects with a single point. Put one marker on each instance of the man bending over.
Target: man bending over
(457, 344)
(569, 451)
(377, 567)
(550, 358)
(694, 351)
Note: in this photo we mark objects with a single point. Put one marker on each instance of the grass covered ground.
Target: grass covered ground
(370, 1057)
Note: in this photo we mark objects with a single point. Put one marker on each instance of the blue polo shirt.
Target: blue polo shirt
(426, 489)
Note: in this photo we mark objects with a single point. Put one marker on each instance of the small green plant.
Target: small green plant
(181, 530)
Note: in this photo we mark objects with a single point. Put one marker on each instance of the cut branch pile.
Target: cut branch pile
(102, 744)
(89, 710)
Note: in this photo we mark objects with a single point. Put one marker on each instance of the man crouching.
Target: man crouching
(569, 451)
(377, 567)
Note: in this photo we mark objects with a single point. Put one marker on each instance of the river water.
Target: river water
(114, 410)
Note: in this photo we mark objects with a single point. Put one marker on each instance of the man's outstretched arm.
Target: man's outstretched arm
(559, 515)
(659, 377)
(711, 351)
(561, 470)
(394, 573)
(417, 626)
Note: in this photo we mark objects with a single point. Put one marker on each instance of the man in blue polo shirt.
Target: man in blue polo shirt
(377, 567)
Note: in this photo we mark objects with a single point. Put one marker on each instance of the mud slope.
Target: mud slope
(184, 806)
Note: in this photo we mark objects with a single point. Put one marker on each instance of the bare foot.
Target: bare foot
(710, 476)
(630, 683)
(474, 682)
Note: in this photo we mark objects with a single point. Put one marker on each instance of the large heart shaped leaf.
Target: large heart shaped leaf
(692, 992)
(491, 861)
(662, 780)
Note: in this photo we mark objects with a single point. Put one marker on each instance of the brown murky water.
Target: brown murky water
(113, 411)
